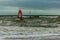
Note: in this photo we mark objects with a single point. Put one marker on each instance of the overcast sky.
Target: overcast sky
(43, 6)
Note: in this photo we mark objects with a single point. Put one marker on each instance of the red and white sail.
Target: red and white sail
(20, 14)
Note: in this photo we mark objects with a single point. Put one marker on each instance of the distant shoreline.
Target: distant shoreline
(30, 15)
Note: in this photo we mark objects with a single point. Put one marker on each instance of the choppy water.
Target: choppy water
(27, 33)
(9, 30)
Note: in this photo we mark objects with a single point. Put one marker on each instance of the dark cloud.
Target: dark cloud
(35, 4)
(12, 6)
(39, 4)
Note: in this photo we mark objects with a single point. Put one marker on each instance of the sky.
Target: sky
(42, 7)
